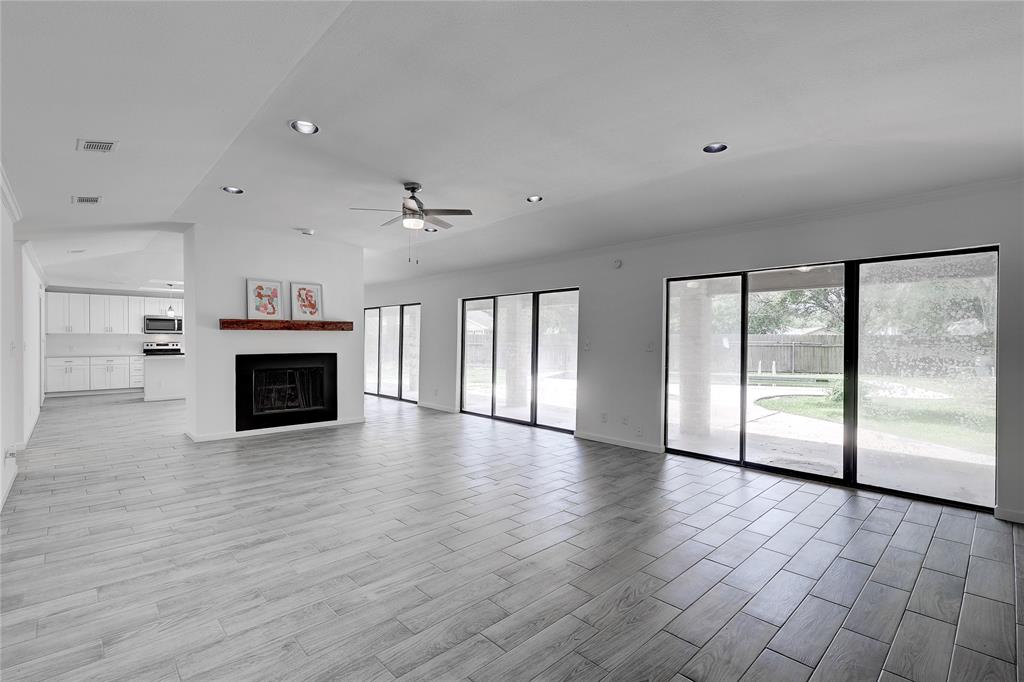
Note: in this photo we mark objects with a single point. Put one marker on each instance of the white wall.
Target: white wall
(622, 311)
(31, 340)
(218, 258)
(10, 367)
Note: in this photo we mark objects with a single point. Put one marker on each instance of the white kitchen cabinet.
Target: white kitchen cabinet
(108, 372)
(108, 314)
(136, 372)
(156, 306)
(67, 313)
(136, 314)
(67, 374)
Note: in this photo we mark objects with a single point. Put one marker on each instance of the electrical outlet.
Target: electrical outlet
(650, 347)
(625, 421)
(586, 345)
(604, 417)
(639, 432)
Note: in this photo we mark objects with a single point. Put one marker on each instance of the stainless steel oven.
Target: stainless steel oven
(159, 324)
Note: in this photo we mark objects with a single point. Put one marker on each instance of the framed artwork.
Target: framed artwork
(263, 299)
(307, 301)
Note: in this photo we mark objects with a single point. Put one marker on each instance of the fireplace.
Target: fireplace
(283, 389)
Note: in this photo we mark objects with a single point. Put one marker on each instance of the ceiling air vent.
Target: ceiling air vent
(85, 200)
(96, 145)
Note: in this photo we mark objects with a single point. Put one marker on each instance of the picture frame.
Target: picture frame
(263, 299)
(307, 301)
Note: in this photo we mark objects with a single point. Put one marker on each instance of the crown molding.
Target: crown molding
(7, 195)
(30, 252)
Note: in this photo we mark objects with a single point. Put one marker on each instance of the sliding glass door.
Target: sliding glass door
(794, 387)
(705, 319)
(513, 376)
(391, 351)
(926, 389)
(557, 337)
(390, 319)
(519, 357)
(371, 350)
(880, 372)
(478, 356)
(411, 352)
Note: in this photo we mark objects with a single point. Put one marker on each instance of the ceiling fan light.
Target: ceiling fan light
(304, 127)
(412, 221)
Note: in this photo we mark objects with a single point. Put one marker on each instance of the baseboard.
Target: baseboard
(10, 474)
(1014, 515)
(104, 391)
(632, 444)
(439, 408)
(227, 435)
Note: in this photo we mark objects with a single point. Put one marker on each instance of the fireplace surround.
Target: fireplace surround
(285, 389)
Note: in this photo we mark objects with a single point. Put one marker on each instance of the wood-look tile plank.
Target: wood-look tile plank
(728, 655)
(922, 649)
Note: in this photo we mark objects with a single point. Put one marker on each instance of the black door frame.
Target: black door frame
(401, 348)
(851, 341)
(534, 355)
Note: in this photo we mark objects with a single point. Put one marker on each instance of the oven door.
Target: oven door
(157, 324)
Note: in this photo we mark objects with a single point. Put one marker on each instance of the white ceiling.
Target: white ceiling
(600, 107)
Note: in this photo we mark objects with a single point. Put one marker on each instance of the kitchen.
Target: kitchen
(113, 341)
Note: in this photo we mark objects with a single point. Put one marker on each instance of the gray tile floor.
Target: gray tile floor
(432, 546)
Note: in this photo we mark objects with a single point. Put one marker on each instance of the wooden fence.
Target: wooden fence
(800, 354)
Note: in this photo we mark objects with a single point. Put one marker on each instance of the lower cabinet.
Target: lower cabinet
(93, 374)
(108, 372)
(67, 374)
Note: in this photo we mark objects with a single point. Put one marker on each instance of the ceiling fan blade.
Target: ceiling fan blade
(447, 211)
(389, 210)
(444, 225)
(393, 220)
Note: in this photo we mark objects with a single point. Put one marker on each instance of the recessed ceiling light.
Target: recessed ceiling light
(534, 199)
(232, 190)
(304, 127)
(430, 229)
(305, 231)
(76, 250)
(715, 147)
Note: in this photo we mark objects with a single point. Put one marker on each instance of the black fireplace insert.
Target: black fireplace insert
(283, 389)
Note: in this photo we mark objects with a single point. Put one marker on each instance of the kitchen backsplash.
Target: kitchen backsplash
(58, 345)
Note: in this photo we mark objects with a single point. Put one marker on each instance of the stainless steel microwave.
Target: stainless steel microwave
(160, 324)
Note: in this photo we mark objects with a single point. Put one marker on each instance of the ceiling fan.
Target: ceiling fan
(414, 216)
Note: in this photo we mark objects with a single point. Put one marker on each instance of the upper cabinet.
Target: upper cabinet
(67, 313)
(136, 315)
(104, 314)
(108, 314)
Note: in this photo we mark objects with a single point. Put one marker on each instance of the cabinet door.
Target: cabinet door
(156, 306)
(136, 313)
(78, 313)
(99, 377)
(98, 322)
(117, 314)
(56, 378)
(118, 376)
(56, 313)
(78, 378)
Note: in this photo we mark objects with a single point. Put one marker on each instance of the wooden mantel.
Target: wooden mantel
(287, 325)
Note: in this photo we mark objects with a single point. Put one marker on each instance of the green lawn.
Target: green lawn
(957, 422)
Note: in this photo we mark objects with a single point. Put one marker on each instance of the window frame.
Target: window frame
(851, 349)
(534, 347)
(401, 348)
